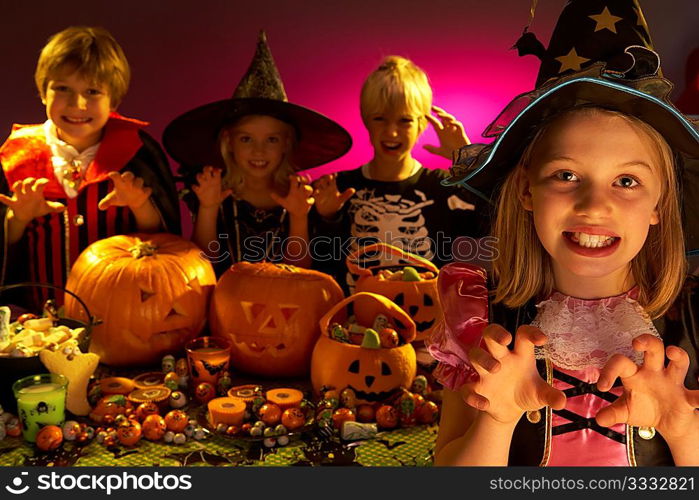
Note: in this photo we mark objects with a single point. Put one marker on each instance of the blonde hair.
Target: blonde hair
(524, 271)
(233, 177)
(397, 84)
(92, 52)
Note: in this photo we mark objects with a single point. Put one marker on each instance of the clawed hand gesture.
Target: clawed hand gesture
(328, 199)
(299, 200)
(450, 133)
(509, 383)
(208, 188)
(654, 394)
(28, 202)
(128, 191)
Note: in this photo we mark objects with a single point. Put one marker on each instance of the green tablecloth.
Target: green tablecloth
(410, 446)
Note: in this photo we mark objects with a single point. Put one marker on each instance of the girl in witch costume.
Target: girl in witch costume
(86, 173)
(585, 170)
(239, 157)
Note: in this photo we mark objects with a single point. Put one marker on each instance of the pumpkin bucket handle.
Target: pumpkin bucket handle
(407, 258)
(92, 320)
(408, 333)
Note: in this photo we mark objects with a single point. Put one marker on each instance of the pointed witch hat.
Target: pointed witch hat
(192, 138)
(599, 55)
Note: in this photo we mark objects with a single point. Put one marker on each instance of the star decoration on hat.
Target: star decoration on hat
(605, 20)
(571, 61)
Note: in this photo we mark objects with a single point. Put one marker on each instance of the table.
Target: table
(411, 446)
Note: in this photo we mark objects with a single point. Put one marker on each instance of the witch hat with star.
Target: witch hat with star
(599, 55)
(192, 138)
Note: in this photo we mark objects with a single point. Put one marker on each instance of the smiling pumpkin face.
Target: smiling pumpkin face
(417, 296)
(270, 312)
(373, 373)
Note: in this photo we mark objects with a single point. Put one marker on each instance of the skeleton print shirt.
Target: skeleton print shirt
(416, 214)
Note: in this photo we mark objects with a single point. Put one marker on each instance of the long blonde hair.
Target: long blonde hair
(233, 177)
(523, 269)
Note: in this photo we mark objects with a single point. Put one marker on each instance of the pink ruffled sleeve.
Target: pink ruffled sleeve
(463, 293)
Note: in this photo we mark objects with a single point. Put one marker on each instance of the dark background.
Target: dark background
(185, 53)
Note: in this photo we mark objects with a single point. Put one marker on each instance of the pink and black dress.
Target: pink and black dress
(583, 335)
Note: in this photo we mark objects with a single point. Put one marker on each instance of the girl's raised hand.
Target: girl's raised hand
(208, 188)
(328, 199)
(128, 191)
(654, 394)
(299, 200)
(509, 383)
(28, 202)
(450, 133)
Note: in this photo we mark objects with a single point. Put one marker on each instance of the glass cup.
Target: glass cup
(208, 359)
(41, 400)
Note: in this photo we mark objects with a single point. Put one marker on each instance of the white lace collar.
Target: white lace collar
(64, 155)
(586, 333)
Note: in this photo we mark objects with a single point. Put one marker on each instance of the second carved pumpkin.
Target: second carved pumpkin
(270, 312)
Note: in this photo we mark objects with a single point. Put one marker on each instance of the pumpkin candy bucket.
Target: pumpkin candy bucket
(408, 280)
(376, 366)
(150, 292)
(270, 312)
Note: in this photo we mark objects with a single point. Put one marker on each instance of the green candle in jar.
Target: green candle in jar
(41, 401)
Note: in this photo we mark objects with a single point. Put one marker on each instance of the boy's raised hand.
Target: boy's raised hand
(450, 133)
(509, 383)
(299, 200)
(654, 394)
(28, 202)
(208, 188)
(328, 199)
(128, 192)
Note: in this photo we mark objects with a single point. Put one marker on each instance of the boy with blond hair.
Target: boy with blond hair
(87, 172)
(393, 198)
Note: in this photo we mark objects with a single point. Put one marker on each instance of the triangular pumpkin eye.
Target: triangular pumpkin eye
(399, 300)
(145, 295)
(427, 300)
(385, 369)
(172, 313)
(354, 366)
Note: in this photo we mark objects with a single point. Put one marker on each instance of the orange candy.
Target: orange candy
(154, 427)
(293, 418)
(129, 434)
(387, 417)
(342, 415)
(176, 420)
(270, 413)
(49, 438)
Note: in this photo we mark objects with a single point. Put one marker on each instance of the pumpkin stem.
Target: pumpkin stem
(142, 249)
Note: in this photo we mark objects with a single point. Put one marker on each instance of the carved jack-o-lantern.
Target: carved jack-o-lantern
(150, 291)
(418, 298)
(373, 373)
(270, 312)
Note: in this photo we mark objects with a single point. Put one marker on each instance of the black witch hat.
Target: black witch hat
(599, 55)
(192, 138)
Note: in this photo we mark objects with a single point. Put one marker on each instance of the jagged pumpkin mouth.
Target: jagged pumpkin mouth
(374, 397)
(421, 326)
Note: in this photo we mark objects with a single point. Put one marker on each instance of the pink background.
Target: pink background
(187, 53)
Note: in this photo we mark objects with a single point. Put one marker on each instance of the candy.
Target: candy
(342, 415)
(154, 427)
(389, 338)
(270, 413)
(176, 420)
(387, 417)
(353, 431)
(293, 418)
(49, 437)
(205, 392)
(168, 363)
(177, 399)
(371, 339)
(410, 274)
